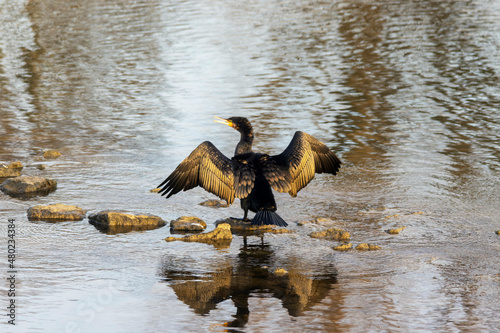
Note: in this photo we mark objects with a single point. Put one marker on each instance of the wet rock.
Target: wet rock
(319, 220)
(117, 222)
(221, 236)
(13, 169)
(280, 272)
(28, 185)
(343, 247)
(367, 247)
(41, 166)
(214, 203)
(56, 212)
(395, 231)
(332, 233)
(245, 228)
(51, 154)
(188, 223)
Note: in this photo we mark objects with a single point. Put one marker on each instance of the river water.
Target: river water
(407, 93)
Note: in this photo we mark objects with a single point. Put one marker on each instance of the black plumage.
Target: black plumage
(250, 176)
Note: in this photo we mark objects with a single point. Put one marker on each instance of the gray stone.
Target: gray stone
(28, 185)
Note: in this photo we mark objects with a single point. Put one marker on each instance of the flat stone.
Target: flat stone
(108, 218)
(13, 169)
(214, 203)
(25, 185)
(332, 233)
(56, 212)
(51, 154)
(221, 236)
(188, 223)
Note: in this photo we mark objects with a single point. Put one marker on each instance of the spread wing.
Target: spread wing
(207, 167)
(296, 166)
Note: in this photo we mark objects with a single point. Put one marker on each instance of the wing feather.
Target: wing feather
(302, 159)
(207, 167)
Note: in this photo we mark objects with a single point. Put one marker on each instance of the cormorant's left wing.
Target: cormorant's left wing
(302, 159)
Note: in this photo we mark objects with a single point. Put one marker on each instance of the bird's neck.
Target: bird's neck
(245, 144)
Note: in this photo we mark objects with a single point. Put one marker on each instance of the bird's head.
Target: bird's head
(241, 124)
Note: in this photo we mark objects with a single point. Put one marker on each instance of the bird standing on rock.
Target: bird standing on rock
(250, 176)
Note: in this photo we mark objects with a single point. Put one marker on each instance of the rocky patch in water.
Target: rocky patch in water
(332, 234)
(220, 237)
(117, 222)
(13, 169)
(214, 203)
(56, 212)
(28, 186)
(187, 223)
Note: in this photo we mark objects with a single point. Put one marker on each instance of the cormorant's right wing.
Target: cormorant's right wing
(207, 167)
(302, 159)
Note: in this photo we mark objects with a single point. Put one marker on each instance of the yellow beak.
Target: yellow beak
(223, 121)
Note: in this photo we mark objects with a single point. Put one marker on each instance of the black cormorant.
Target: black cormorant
(250, 176)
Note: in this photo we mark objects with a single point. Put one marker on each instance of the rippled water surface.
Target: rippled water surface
(407, 93)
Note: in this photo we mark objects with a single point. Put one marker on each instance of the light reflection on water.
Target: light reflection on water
(406, 92)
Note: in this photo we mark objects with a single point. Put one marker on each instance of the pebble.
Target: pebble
(51, 154)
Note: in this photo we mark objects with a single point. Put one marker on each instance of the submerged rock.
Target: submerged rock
(221, 236)
(13, 169)
(188, 223)
(51, 154)
(343, 247)
(332, 233)
(28, 185)
(56, 212)
(318, 220)
(367, 247)
(395, 231)
(214, 203)
(245, 228)
(118, 222)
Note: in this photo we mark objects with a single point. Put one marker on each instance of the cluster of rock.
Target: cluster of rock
(17, 185)
(337, 234)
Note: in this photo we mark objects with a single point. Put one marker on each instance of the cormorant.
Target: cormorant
(250, 176)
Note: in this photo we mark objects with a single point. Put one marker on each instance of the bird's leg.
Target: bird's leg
(245, 217)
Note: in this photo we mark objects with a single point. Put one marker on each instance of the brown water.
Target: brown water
(406, 92)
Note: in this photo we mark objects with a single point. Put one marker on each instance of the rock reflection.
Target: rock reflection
(253, 273)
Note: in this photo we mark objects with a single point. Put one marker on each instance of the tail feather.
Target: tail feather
(268, 217)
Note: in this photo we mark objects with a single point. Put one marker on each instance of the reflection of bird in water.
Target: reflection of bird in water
(251, 275)
(250, 176)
